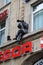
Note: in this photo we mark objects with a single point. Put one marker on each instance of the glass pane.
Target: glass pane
(40, 62)
(41, 19)
(8, 1)
(4, 2)
(2, 36)
(38, 20)
(36, 23)
(2, 25)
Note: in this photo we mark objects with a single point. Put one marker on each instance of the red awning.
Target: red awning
(3, 15)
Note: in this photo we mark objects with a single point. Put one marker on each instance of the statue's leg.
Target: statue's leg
(20, 36)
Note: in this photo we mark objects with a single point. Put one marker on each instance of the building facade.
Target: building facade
(31, 11)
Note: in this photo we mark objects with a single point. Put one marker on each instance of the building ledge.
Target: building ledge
(36, 2)
(28, 37)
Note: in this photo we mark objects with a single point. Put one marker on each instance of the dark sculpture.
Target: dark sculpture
(23, 29)
(27, 1)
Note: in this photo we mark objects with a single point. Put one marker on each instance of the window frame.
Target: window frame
(4, 33)
(33, 12)
(2, 29)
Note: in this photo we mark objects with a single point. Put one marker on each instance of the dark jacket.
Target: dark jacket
(23, 26)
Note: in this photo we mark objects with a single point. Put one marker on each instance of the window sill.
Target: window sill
(5, 6)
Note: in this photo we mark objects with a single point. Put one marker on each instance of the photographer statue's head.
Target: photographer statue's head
(20, 23)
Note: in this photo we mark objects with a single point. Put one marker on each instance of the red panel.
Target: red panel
(16, 51)
(7, 54)
(3, 14)
(41, 45)
(27, 47)
(1, 56)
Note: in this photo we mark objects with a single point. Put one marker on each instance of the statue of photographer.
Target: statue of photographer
(23, 29)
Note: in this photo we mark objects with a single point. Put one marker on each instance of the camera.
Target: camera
(20, 20)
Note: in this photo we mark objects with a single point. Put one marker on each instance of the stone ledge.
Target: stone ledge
(29, 37)
(36, 2)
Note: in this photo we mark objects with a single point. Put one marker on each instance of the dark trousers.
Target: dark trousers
(20, 34)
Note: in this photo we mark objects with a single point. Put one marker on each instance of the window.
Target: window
(38, 17)
(2, 32)
(6, 1)
(40, 62)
